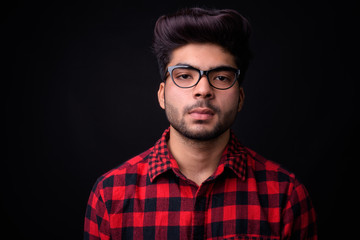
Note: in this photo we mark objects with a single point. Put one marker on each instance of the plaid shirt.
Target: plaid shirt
(247, 197)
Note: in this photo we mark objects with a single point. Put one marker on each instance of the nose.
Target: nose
(203, 89)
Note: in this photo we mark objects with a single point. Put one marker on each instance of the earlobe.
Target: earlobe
(161, 95)
(241, 99)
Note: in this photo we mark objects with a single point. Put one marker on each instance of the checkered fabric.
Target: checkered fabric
(248, 197)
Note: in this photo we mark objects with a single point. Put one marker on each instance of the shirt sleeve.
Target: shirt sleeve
(96, 225)
(299, 217)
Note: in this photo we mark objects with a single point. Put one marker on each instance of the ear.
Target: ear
(241, 98)
(161, 95)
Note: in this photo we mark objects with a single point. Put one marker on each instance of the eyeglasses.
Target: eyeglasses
(185, 76)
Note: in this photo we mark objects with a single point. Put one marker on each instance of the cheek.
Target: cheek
(230, 102)
(175, 97)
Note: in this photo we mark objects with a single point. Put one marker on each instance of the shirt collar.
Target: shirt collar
(233, 157)
(159, 160)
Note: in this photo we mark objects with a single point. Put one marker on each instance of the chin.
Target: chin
(201, 133)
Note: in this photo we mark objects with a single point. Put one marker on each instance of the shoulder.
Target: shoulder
(273, 182)
(125, 174)
(267, 170)
(271, 178)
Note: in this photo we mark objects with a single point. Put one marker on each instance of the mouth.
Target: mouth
(201, 113)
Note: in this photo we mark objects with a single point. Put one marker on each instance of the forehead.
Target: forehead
(203, 56)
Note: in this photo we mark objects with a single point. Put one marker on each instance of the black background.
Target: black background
(80, 83)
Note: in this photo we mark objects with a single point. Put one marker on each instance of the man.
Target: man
(198, 181)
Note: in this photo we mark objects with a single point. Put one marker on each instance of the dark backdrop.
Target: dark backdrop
(80, 83)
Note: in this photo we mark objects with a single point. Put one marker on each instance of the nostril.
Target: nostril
(206, 95)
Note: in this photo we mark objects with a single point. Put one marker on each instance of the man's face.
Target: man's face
(201, 112)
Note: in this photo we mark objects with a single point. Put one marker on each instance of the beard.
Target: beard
(199, 131)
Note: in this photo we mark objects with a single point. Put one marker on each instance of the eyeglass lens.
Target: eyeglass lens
(219, 78)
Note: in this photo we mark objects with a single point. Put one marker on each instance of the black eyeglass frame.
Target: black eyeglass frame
(206, 73)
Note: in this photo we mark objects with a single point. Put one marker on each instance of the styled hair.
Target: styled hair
(226, 28)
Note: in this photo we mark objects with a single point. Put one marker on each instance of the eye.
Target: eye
(221, 78)
(182, 74)
(183, 77)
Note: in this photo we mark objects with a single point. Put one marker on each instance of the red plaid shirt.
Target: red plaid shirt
(247, 197)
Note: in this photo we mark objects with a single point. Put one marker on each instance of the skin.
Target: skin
(200, 117)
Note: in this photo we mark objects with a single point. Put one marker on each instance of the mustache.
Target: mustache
(202, 104)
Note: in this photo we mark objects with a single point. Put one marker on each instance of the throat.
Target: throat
(197, 161)
(196, 175)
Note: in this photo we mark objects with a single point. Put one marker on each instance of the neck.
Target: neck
(197, 160)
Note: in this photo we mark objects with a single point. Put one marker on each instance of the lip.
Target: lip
(201, 113)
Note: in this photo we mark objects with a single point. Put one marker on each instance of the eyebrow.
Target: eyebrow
(220, 66)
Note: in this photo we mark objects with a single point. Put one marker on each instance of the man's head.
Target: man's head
(226, 28)
(208, 53)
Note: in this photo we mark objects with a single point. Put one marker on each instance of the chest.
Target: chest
(177, 209)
